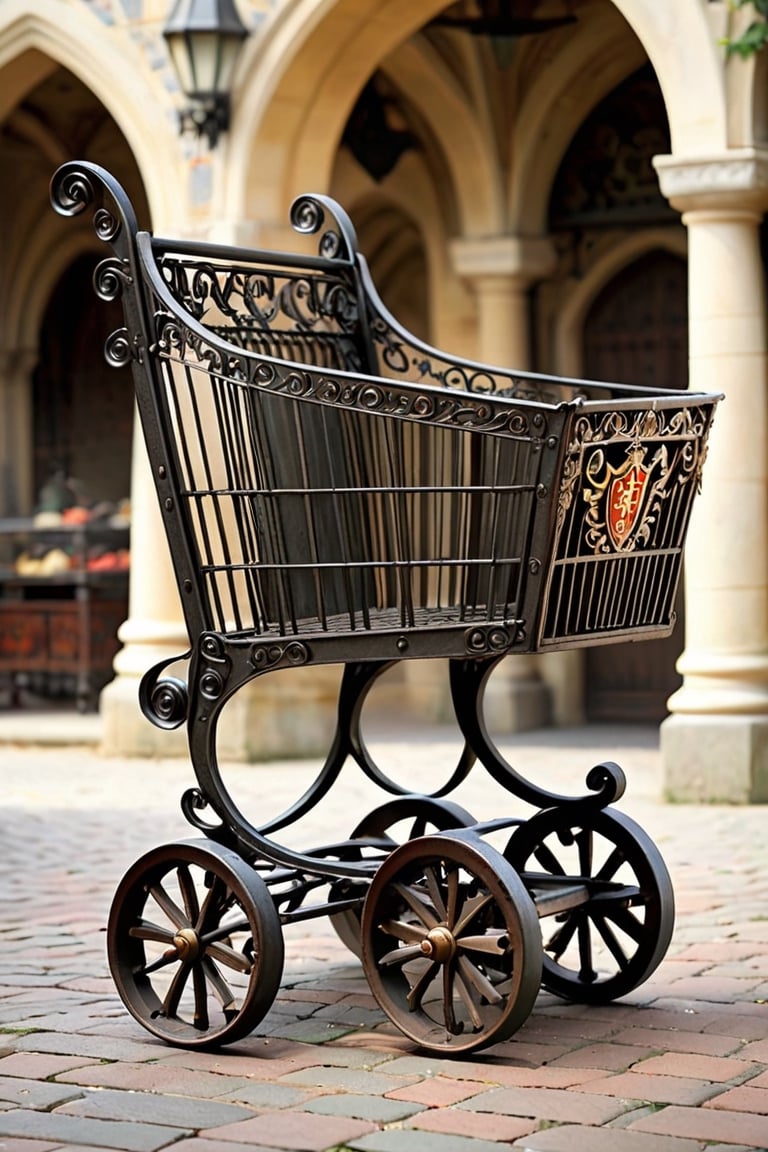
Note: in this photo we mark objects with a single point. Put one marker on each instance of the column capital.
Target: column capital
(736, 180)
(519, 259)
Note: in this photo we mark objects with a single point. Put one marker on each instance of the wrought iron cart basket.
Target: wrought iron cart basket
(336, 491)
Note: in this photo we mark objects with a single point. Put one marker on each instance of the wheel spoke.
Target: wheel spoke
(146, 930)
(213, 905)
(175, 991)
(548, 861)
(416, 994)
(611, 943)
(435, 893)
(188, 893)
(469, 1003)
(200, 986)
(221, 989)
(478, 980)
(584, 843)
(229, 957)
(453, 898)
(417, 905)
(494, 942)
(401, 930)
(448, 1014)
(401, 955)
(611, 865)
(169, 906)
(473, 907)
(626, 920)
(560, 940)
(587, 971)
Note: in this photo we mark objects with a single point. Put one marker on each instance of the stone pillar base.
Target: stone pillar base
(516, 703)
(282, 716)
(715, 759)
(125, 732)
(289, 715)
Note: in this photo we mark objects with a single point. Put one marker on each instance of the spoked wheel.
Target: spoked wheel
(610, 944)
(382, 830)
(195, 944)
(451, 943)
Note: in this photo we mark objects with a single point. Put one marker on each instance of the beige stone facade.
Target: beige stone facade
(546, 213)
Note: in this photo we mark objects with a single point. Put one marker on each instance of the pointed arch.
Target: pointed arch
(33, 43)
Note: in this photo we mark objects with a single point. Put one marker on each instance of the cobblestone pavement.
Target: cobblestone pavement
(680, 1064)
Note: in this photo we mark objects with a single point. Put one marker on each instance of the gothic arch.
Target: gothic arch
(573, 311)
(113, 74)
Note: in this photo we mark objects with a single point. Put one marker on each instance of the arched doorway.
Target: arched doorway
(637, 332)
(82, 407)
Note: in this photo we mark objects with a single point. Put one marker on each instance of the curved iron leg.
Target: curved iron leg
(468, 681)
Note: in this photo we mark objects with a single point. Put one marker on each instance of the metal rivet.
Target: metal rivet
(168, 504)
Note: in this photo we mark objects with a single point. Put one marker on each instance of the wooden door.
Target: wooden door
(637, 333)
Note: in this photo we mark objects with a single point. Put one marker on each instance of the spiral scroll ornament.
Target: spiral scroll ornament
(310, 213)
(71, 191)
(166, 703)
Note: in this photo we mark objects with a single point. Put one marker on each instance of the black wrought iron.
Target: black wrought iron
(335, 491)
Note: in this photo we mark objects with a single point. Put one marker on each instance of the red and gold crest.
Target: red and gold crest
(625, 499)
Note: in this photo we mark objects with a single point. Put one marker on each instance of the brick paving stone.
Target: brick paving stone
(311, 1031)
(479, 1126)
(40, 1065)
(263, 1095)
(671, 1040)
(411, 1140)
(296, 1131)
(438, 1091)
(611, 1057)
(347, 1080)
(31, 1146)
(34, 1093)
(716, 1068)
(707, 1124)
(657, 1089)
(101, 1134)
(547, 1104)
(198, 1145)
(756, 1050)
(174, 1111)
(570, 1138)
(100, 1047)
(743, 1099)
(378, 1109)
(153, 1078)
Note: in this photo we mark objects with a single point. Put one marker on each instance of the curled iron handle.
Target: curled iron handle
(311, 212)
(164, 700)
(78, 185)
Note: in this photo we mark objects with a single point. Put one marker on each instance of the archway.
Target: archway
(637, 331)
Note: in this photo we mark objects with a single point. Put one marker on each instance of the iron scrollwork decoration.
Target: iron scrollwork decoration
(309, 213)
(626, 464)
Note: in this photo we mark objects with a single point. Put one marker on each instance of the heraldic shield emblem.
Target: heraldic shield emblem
(623, 498)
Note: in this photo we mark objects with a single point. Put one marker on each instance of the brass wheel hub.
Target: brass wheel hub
(439, 944)
(187, 944)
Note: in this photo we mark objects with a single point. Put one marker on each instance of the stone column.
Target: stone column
(154, 630)
(500, 270)
(16, 495)
(278, 715)
(715, 743)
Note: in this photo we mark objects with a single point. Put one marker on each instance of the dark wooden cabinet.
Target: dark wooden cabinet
(62, 622)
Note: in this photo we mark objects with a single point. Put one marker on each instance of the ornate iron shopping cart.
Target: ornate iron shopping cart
(335, 491)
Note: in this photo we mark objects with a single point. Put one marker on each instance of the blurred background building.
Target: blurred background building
(571, 186)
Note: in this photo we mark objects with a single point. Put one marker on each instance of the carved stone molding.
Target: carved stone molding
(734, 180)
(518, 258)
